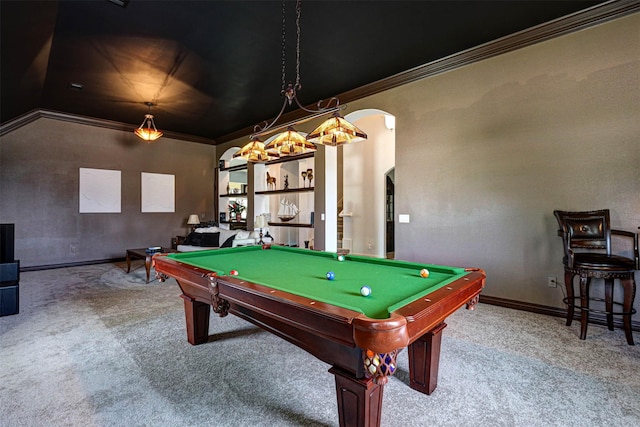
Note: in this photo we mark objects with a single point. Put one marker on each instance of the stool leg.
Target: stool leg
(608, 302)
(584, 305)
(568, 283)
(629, 286)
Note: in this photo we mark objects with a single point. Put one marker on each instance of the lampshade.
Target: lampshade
(193, 219)
(261, 222)
(336, 131)
(255, 151)
(150, 132)
(290, 143)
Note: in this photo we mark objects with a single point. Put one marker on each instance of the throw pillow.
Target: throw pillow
(193, 239)
(243, 234)
(211, 239)
(229, 242)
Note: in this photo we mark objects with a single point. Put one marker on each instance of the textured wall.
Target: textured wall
(485, 153)
(39, 171)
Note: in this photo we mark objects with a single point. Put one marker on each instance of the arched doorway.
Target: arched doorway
(365, 167)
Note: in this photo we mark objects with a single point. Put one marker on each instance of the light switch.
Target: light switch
(404, 218)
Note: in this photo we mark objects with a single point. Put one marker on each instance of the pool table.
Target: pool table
(286, 291)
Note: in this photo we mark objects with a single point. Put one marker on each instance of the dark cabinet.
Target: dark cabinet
(9, 288)
(9, 272)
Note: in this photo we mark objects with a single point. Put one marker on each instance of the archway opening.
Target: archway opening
(365, 167)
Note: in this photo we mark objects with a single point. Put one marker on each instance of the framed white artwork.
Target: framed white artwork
(100, 191)
(158, 192)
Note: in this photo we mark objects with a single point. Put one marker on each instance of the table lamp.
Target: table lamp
(193, 221)
(261, 222)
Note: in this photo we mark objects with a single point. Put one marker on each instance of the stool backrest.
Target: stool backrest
(585, 230)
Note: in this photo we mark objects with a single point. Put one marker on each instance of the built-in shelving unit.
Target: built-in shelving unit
(287, 186)
(290, 188)
(232, 188)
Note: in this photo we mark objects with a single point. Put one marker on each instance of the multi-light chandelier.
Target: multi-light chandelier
(333, 132)
(150, 132)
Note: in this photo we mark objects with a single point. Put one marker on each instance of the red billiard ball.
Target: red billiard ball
(233, 273)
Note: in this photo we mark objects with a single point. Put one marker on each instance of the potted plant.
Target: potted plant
(235, 210)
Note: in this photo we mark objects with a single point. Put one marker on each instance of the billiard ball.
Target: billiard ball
(424, 273)
(330, 275)
(233, 273)
(340, 257)
(365, 291)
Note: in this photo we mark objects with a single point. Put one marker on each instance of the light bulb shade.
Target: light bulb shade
(150, 132)
(261, 222)
(336, 131)
(193, 219)
(255, 152)
(290, 143)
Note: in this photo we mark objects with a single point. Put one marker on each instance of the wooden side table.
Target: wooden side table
(178, 240)
(142, 253)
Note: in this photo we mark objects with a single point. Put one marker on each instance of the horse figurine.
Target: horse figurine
(271, 180)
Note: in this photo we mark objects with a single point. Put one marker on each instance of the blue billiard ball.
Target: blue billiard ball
(365, 291)
(330, 275)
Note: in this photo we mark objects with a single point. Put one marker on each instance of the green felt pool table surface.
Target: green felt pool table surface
(303, 272)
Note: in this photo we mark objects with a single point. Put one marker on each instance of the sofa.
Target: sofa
(214, 237)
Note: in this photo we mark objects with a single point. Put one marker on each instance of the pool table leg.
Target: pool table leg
(197, 317)
(359, 400)
(424, 359)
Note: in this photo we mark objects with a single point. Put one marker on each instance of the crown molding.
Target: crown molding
(581, 20)
(34, 115)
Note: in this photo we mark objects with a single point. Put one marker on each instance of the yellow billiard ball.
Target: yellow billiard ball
(424, 273)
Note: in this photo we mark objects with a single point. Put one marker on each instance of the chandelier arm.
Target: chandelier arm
(319, 105)
(261, 130)
(284, 126)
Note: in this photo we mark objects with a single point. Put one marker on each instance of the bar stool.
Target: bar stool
(586, 237)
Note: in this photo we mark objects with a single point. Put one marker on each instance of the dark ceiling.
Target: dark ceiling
(215, 67)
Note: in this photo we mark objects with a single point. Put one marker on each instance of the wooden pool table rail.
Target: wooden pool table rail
(337, 336)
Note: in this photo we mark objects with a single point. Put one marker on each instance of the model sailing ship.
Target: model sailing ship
(287, 211)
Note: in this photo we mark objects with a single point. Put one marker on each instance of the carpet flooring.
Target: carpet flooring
(95, 346)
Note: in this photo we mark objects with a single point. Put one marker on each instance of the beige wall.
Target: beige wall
(39, 182)
(485, 153)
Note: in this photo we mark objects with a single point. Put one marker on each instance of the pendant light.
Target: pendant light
(335, 131)
(149, 133)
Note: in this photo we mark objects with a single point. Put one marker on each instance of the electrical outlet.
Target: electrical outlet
(552, 281)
